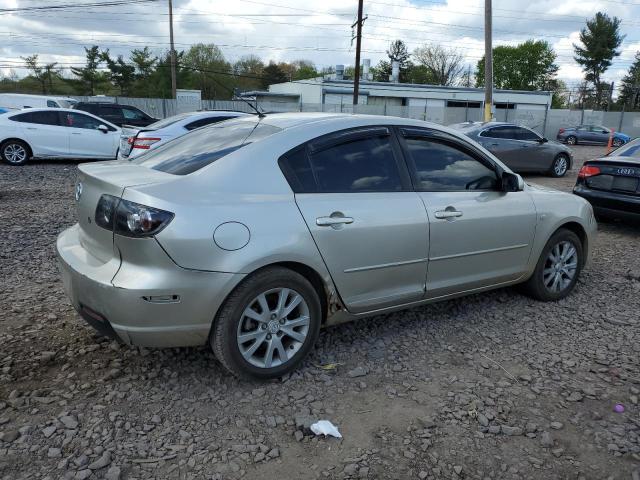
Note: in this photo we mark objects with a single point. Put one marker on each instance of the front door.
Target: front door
(42, 130)
(370, 228)
(85, 140)
(479, 235)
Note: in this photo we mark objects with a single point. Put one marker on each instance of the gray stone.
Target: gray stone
(69, 422)
(101, 462)
(556, 425)
(9, 436)
(546, 440)
(357, 372)
(48, 431)
(83, 474)
(113, 473)
(457, 469)
(273, 453)
(350, 469)
(511, 431)
(54, 452)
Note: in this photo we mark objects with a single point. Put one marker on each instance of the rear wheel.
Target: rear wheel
(572, 140)
(558, 268)
(15, 152)
(560, 165)
(268, 324)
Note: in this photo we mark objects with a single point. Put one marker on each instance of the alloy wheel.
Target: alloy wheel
(617, 142)
(571, 140)
(273, 327)
(15, 153)
(560, 267)
(560, 166)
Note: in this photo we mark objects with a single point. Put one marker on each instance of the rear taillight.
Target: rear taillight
(588, 171)
(144, 143)
(561, 130)
(130, 219)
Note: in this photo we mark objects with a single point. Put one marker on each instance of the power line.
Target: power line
(113, 3)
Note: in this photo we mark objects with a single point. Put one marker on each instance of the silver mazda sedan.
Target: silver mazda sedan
(253, 234)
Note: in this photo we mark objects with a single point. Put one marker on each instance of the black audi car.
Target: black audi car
(612, 183)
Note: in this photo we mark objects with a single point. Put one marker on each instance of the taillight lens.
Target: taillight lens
(561, 130)
(144, 143)
(129, 218)
(588, 171)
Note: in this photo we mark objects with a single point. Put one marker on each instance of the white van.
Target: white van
(18, 101)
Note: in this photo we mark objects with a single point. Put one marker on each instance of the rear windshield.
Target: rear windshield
(204, 146)
(631, 149)
(165, 122)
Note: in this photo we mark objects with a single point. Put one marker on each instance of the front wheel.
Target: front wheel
(267, 325)
(15, 152)
(558, 268)
(617, 142)
(560, 166)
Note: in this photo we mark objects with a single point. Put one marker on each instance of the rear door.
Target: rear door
(43, 132)
(85, 140)
(479, 235)
(354, 193)
(534, 154)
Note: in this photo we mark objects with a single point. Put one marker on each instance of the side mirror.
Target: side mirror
(103, 128)
(512, 182)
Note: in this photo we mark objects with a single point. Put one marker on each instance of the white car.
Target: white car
(136, 141)
(56, 133)
(18, 101)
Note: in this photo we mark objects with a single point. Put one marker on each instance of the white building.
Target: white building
(339, 92)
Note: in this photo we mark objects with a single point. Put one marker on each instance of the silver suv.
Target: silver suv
(253, 234)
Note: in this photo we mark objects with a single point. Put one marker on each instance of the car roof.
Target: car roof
(473, 126)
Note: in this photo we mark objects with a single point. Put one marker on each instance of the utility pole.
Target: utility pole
(356, 75)
(488, 62)
(172, 53)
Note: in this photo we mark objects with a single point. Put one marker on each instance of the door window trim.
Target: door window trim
(342, 137)
(449, 140)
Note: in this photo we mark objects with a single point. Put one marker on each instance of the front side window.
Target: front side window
(78, 120)
(362, 165)
(441, 167)
(526, 134)
(200, 148)
(110, 112)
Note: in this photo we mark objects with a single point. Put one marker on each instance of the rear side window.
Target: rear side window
(362, 165)
(442, 167)
(525, 134)
(195, 150)
(205, 121)
(52, 104)
(505, 132)
(297, 170)
(42, 118)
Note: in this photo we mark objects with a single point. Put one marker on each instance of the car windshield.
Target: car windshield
(631, 149)
(165, 122)
(204, 146)
(67, 103)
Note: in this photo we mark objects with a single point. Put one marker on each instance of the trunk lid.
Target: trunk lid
(616, 175)
(111, 178)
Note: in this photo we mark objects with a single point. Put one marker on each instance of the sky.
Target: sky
(317, 30)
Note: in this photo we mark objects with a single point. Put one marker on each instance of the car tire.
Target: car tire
(542, 284)
(572, 140)
(244, 344)
(617, 142)
(15, 152)
(560, 165)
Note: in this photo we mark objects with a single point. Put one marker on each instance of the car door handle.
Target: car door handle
(331, 221)
(32, 128)
(76, 133)
(444, 214)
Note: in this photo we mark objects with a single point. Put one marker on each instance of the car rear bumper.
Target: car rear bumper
(610, 203)
(161, 305)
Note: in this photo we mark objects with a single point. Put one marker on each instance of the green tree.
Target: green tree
(89, 76)
(528, 66)
(121, 74)
(600, 40)
(271, 74)
(630, 92)
(209, 71)
(248, 70)
(43, 74)
(304, 69)
(444, 66)
(397, 52)
(144, 62)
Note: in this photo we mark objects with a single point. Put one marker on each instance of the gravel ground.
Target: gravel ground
(493, 386)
